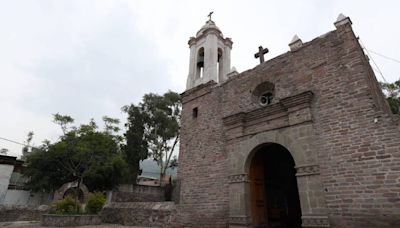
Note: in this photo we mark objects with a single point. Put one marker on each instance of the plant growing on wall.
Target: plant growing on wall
(392, 93)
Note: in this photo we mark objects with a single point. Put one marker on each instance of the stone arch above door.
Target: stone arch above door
(296, 140)
(299, 141)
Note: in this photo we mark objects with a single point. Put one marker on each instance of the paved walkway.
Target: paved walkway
(37, 225)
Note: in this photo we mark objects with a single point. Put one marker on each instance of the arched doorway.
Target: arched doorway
(273, 188)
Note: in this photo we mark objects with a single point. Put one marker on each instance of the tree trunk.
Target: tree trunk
(161, 173)
(77, 190)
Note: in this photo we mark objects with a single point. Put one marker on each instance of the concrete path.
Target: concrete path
(37, 225)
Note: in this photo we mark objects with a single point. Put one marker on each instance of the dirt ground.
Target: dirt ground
(37, 225)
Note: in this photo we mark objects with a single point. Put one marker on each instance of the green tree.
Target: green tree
(111, 125)
(153, 130)
(392, 93)
(135, 149)
(83, 154)
(28, 147)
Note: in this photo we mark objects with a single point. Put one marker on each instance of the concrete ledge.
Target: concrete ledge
(70, 220)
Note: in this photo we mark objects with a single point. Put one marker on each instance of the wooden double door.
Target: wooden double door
(274, 193)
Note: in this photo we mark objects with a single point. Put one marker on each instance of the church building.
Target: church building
(305, 139)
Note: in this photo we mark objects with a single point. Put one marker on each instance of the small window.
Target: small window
(266, 99)
(195, 112)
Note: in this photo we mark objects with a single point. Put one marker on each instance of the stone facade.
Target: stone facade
(328, 111)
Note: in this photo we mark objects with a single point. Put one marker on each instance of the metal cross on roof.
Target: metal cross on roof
(260, 53)
(209, 15)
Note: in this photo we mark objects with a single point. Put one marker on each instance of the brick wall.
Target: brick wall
(360, 159)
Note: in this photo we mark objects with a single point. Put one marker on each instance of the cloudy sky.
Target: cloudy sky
(89, 58)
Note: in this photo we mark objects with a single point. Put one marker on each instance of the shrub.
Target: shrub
(95, 203)
(68, 205)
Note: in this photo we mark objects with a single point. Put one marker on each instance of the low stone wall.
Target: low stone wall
(138, 193)
(158, 214)
(11, 213)
(70, 220)
(176, 191)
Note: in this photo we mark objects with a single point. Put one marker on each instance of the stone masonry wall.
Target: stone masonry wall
(10, 213)
(149, 214)
(202, 166)
(138, 193)
(359, 140)
(356, 143)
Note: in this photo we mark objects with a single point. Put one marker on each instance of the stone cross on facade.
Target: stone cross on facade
(261, 53)
(209, 15)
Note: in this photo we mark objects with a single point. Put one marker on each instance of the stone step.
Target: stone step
(153, 214)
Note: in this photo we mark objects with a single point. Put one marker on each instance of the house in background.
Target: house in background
(150, 175)
(12, 185)
(148, 181)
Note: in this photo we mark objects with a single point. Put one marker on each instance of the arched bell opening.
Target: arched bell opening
(200, 63)
(219, 63)
(274, 196)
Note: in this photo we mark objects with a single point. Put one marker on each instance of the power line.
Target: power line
(12, 141)
(373, 61)
(374, 69)
(383, 56)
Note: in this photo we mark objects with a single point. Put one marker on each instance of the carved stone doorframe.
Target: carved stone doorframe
(312, 196)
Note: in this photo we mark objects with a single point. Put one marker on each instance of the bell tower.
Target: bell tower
(210, 56)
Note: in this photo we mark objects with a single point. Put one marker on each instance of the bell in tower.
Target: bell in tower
(209, 56)
(200, 59)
